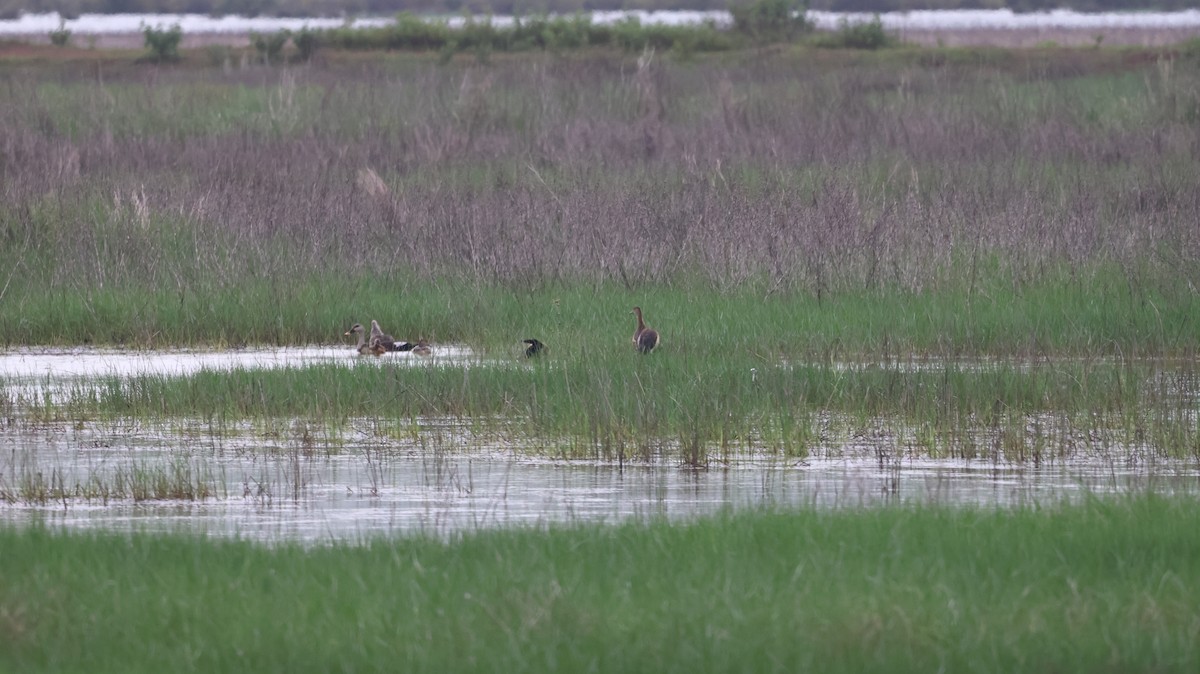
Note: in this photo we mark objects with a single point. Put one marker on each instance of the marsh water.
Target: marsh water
(33, 364)
(439, 476)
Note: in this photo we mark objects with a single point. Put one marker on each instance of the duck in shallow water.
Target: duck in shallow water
(365, 347)
(387, 341)
(422, 348)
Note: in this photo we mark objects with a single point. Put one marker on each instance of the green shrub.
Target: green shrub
(163, 43)
(307, 41)
(557, 33)
(632, 36)
(411, 32)
(480, 37)
(62, 36)
(869, 35)
(771, 19)
(270, 47)
(560, 33)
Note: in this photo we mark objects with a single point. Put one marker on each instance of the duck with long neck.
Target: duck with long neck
(387, 341)
(644, 338)
(365, 347)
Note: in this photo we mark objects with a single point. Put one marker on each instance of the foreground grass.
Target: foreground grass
(1103, 586)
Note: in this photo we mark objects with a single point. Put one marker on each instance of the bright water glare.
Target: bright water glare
(51, 373)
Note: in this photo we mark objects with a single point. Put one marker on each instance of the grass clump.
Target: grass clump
(858, 35)
(137, 482)
(1101, 585)
(307, 43)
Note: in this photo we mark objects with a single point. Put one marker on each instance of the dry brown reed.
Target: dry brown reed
(806, 171)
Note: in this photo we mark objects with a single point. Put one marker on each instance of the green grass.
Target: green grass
(1082, 312)
(1102, 586)
(191, 109)
(772, 210)
(799, 203)
(708, 392)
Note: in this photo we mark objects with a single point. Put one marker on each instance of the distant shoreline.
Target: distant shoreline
(999, 28)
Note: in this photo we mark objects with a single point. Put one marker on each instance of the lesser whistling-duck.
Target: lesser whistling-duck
(535, 348)
(645, 339)
(364, 347)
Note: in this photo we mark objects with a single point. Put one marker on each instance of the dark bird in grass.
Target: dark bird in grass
(534, 348)
(645, 339)
(365, 347)
(387, 341)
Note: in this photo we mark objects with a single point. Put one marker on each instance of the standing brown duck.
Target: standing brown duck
(364, 347)
(645, 339)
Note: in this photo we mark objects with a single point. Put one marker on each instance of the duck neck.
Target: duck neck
(641, 323)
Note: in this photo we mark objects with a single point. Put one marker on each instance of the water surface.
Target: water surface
(309, 490)
(49, 373)
(23, 364)
(277, 480)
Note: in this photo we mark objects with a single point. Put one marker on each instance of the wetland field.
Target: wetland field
(925, 396)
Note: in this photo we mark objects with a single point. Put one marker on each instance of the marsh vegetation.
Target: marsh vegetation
(1032, 201)
(804, 224)
(983, 257)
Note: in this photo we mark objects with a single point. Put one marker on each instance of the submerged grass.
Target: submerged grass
(621, 406)
(1108, 585)
(137, 482)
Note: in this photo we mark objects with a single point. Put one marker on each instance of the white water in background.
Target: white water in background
(41, 24)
